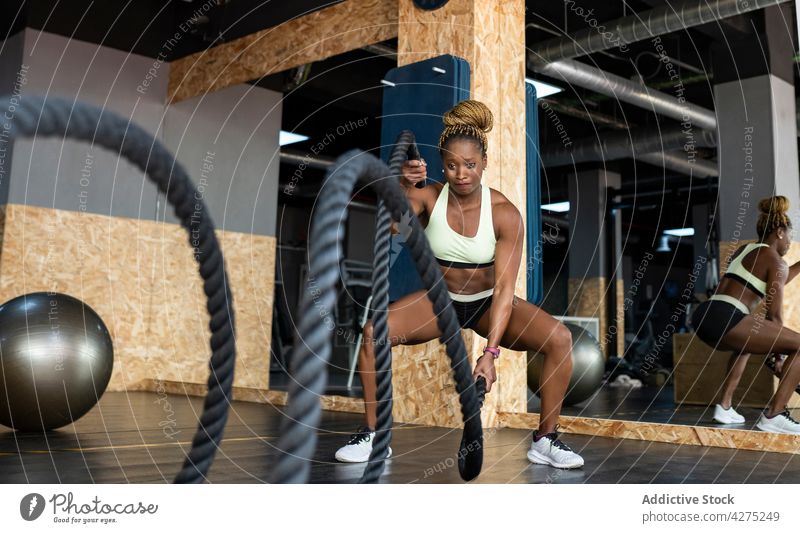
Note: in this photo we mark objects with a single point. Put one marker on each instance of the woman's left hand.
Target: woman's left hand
(485, 368)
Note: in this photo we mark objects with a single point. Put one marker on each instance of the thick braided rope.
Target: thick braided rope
(312, 343)
(380, 343)
(80, 121)
(446, 320)
(404, 146)
(470, 452)
(432, 279)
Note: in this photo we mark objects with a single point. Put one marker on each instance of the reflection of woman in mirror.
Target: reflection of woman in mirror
(757, 271)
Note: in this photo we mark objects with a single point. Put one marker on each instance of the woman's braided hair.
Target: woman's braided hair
(469, 119)
(772, 215)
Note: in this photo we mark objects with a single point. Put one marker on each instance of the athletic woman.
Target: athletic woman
(477, 235)
(757, 271)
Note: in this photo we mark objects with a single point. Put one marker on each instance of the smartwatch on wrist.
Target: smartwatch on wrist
(492, 350)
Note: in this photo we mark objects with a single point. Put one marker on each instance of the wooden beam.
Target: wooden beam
(329, 402)
(313, 37)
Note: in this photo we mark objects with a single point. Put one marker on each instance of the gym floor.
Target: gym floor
(139, 437)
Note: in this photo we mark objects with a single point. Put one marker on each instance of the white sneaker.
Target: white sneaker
(549, 450)
(780, 423)
(358, 448)
(727, 416)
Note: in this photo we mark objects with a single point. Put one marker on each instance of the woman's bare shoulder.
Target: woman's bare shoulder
(506, 218)
(501, 204)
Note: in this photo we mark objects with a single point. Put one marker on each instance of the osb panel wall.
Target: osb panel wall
(244, 394)
(313, 37)
(490, 35)
(450, 30)
(141, 278)
(425, 393)
(587, 297)
(183, 320)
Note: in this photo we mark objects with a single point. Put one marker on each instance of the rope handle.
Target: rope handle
(413, 154)
(470, 452)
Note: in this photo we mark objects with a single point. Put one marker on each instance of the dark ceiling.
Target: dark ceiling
(142, 26)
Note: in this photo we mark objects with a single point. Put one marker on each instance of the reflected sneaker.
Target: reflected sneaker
(780, 423)
(549, 450)
(359, 447)
(727, 416)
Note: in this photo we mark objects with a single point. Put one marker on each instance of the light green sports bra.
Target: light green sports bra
(455, 250)
(738, 272)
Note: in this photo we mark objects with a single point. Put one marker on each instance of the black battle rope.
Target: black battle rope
(312, 344)
(405, 148)
(34, 116)
(470, 453)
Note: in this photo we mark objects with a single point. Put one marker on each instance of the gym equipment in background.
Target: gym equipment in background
(588, 366)
(415, 97)
(56, 358)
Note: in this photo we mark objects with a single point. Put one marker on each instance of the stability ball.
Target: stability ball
(588, 366)
(56, 359)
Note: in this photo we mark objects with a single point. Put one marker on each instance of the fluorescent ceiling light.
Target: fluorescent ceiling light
(680, 232)
(543, 89)
(287, 137)
(557, 207)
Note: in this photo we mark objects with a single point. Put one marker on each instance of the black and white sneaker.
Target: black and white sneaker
(549, 450)
(780, 423)
(359, 447)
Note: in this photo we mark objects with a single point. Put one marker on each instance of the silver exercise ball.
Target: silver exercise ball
(56, 359)
(588, 366)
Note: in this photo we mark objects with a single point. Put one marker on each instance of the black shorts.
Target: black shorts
(713, 319)
(469, 313)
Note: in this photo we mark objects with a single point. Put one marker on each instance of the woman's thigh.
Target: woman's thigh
(412, 320)
(529, 328)
(758, 335)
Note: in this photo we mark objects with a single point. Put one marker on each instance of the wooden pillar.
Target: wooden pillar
(490, 35)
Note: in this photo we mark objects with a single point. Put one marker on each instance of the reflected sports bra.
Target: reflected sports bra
(455, 250)
(738, 272)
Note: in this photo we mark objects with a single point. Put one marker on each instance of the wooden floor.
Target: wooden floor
(140, 438)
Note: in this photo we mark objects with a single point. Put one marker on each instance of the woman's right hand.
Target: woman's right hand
(413, 171)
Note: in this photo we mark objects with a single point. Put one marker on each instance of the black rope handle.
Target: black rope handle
(470, 453)
(413, 154)
(35, 116)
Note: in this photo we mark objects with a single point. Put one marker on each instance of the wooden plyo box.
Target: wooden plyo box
(699, 372)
